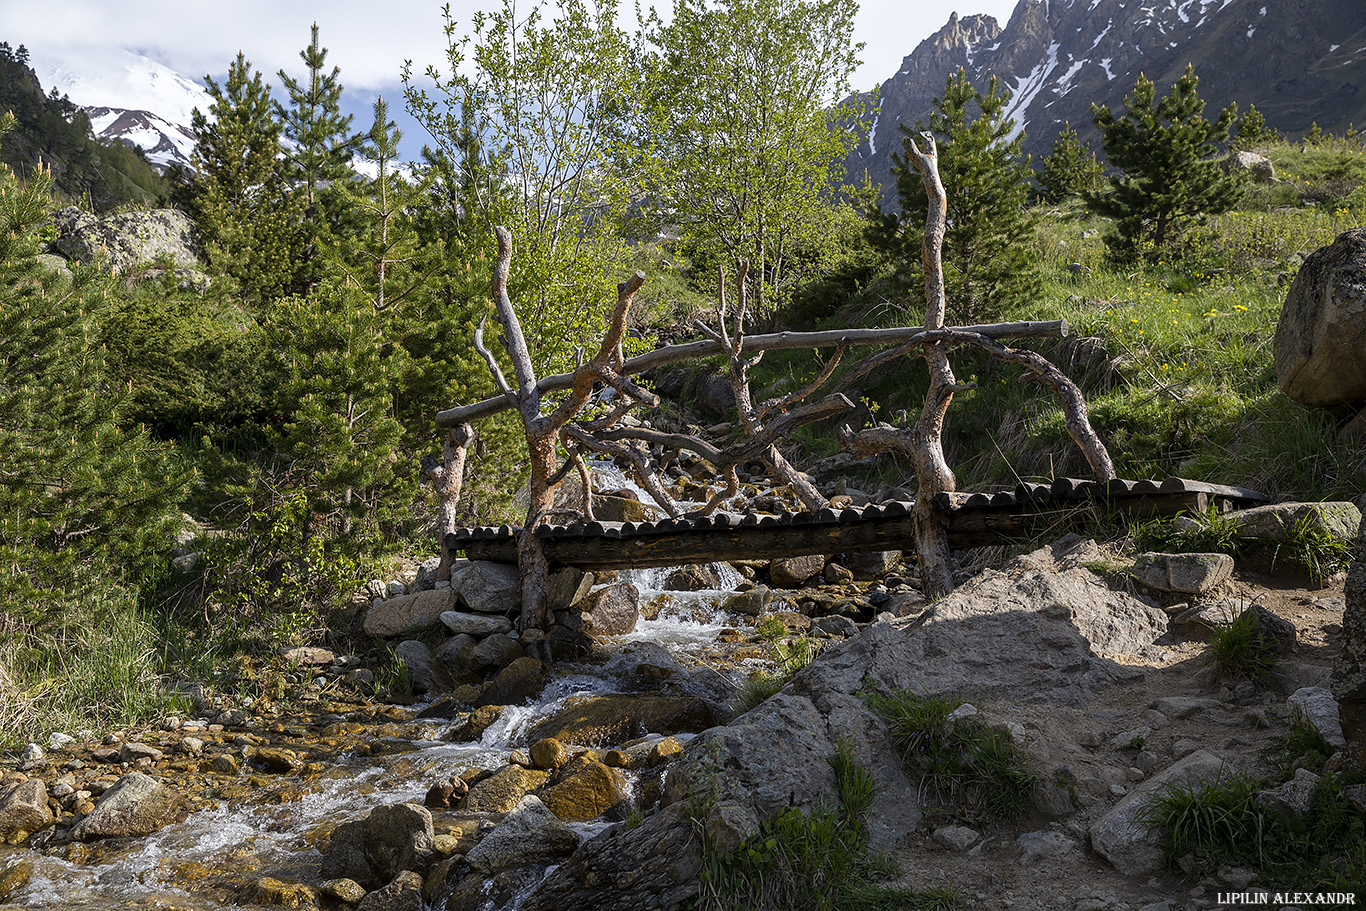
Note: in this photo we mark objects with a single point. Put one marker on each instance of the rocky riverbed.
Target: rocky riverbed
(536, 789)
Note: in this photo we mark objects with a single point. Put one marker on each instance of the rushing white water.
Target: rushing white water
(274, 832)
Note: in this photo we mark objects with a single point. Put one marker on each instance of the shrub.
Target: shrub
(1241, 649)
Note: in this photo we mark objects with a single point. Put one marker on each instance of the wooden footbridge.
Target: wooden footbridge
(975, 519)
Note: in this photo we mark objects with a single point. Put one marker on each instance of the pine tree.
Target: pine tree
(84, 501)
(380, 258)
(987, 258)
(1070, 170)
(1169, 178)
(238, 196)
(319, 146)
(1252, 130)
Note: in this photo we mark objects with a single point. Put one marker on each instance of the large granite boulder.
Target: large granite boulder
(488, 588)
(1277, 523)
(408, 613)
(1321, 337)
(129, 239)
(529, 834)
(1123, 836)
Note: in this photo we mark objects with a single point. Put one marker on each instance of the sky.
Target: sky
(368, 41)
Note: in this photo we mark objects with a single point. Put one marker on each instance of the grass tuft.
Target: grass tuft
(977, 770)
(1242, 650)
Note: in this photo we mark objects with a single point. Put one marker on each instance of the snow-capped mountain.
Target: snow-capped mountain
(1298, 61)
(131, 98)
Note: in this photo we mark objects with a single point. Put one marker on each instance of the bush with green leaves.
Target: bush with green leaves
(1242, 650)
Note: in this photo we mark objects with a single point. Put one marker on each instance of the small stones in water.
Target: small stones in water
(343, 890)
(57, 740)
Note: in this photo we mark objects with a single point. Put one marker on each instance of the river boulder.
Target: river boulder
(529, 834)
(136, 804)
(23, 808)
(1321, 337)
(374, 849)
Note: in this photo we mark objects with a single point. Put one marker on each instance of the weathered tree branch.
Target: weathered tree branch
(774, 341)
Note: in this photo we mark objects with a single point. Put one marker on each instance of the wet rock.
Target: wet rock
(408, 613)
(653, 866)
(529, 834)
(1316, 705)
(487, 588)
(494, 653)
(836, 574)
(279, 761)
(279, 894)
(477, 625)
(377, 847)
(793, 572)
(454, 656)
(1193, 573)
(605, 720)
(133, 751)
(750, 603)
(23, 808)
(611, 610)
(134, 805)
(1123, 838)
(1318, 347)
(343, 890)
(480, 720)
(446, 794)
(549, 754)
(403, 893)
(591, 792)
(504, 789)
(692, 578)
(517, 684)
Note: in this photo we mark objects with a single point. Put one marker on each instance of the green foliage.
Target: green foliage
(318, 146)
(1070, 169)
(988, 251)
(737, 144)
(247, 222)
(812, 861)
(1164, 151)
(1252, 130)
(1205, 826)
(88, 505)
(789, 657)
(1242, 650)
(533, 102)
(1300, 747)
(975, 768)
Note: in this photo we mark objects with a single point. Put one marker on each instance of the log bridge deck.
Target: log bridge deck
(975, 519)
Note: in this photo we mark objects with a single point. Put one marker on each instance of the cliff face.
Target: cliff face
(1299, 62)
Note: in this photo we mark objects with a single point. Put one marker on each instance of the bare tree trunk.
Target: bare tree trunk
(933, 474)
(449, 477)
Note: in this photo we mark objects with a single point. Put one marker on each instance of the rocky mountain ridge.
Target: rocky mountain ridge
(1299, 63)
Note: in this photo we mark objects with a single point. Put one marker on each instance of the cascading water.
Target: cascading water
(274, 829)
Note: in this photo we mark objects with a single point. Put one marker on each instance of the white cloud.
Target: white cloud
(368, 41)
